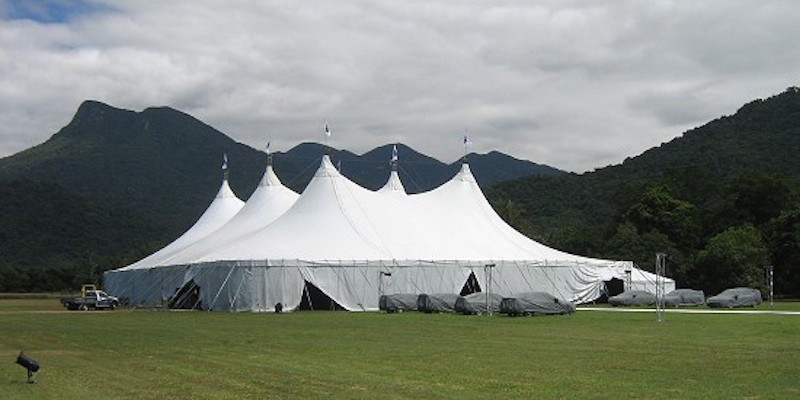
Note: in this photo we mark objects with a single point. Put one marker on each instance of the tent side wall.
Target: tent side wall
(645, 281)
(357, 285)
(223, 287)
(575, 283)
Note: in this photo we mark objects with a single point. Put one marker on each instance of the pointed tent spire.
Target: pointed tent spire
(225, 166)
(467, 143)
(393, 184)
(327, 137)
(326, 167)
(393, 161)
(269, 178)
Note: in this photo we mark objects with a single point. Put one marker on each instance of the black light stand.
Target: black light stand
(30, 364)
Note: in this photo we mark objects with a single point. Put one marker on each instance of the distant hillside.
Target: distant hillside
(722, 201)
(417, 171)
(160, 163)
(763, 136)
(140, 179)
(49, 236)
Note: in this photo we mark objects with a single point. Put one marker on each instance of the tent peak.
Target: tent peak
(225, 191)
(270, 178)
(465, 174)
(393, 161)
(326, 167)
(393, 184)
(225, 167)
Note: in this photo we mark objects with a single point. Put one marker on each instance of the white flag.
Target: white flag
(267, 148)
(467, 142)
(394, 153)
(224, 160)
(327, 131)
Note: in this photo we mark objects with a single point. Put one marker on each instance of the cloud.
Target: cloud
(576, 85)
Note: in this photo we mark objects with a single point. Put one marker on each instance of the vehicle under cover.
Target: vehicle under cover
(533, 303)
(735, 297)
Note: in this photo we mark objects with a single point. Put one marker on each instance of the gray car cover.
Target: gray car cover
(735, 297)
(633, 298)
(443, 302)
(398, 302)
(684, 298)
(476, 303)
(535, 303)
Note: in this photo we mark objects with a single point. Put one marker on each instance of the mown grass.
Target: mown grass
(599, 355)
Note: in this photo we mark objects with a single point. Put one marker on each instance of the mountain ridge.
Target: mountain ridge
(162, 167)
(139, 179)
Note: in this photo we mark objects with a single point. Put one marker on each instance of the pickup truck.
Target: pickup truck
(90, 299)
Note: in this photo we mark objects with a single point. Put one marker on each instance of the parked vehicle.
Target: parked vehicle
(535, 303)
(633, 298)
(91, 299)
(684, 298)
(735, 297)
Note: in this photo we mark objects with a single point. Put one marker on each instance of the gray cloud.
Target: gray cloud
(576, 85)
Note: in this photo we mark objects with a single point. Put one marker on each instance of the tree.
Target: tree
(514, 215)
(628, 244)
(659, 211)
(735, 257)
(756, 198)
(783, 235)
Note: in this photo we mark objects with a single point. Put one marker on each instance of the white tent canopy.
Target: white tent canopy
(355, 244)
(224, 207)
(226, 218)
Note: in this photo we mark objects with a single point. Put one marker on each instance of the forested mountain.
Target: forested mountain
(721, 197)
(51, 238)
(114, 185)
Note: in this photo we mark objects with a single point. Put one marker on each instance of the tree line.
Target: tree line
(717, 234)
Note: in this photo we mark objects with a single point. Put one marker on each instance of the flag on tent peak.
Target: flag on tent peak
(224, 160)
(394, 153)
(327, 131)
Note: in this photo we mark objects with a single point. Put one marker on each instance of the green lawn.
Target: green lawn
(590, 355)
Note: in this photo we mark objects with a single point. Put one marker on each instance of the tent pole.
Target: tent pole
(661, 261)
(487, 271)
(225, 282)
(770, 282)
(308, 296)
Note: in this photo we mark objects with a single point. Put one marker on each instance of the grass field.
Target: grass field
(142, 354)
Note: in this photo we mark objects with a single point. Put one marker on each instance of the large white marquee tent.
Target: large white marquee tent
(354, 245)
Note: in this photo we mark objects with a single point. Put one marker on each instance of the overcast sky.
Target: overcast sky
(577, 85)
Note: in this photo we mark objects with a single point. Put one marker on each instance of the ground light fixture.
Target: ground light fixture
(30, 364)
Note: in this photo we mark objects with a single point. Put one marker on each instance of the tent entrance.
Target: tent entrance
(471, 285)
(613, 287)
(316, 299)
(187, 297)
